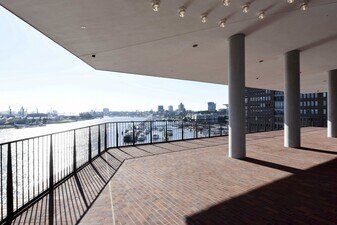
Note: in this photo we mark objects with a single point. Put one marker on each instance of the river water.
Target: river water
(13, 134)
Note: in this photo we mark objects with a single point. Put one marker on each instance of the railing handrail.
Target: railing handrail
(137, 121)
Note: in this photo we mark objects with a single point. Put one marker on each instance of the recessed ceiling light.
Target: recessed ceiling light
(83, 27)
(226, 2)
(290, 1)
(304, 6)
(262, 15)
(182, 12)
(155, 5)
(204, 18)
(245, 7)
(222, 23)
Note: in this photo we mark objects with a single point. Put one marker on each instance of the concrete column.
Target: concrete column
(292, 126)
(332, 104)
(236, 95)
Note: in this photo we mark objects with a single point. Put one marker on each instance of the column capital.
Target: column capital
(242, 35)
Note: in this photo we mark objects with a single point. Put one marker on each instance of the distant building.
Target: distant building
(160, 109)
(223, 112)
(106, 111)
(37, 115)
(170, 108)
(211, 106)
(22, 112)
(181, 108)
(267, 107)
(313, 108)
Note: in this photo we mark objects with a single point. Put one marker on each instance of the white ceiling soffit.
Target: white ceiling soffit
(128, 36)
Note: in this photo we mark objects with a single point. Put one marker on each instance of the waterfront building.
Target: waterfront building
(160, 109)
(170, 108)
(106, 111)
(211, 106)
(181, 108)
(22, 113)
(269, 105)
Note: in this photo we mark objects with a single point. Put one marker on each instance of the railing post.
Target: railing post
(220, 129)
(256, 125)
(10, 204)
(105, 137)
(182, 130)
(74, 153)
(51, 164)
(151, 132)
(209, 128)
(51, 183)
(265, 124)
(90, 145)
(133, 133)
(166, 136)
(117, 135)
(99, 139)
(196, 128)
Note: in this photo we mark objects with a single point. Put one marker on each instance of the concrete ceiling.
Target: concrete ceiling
(128, 36)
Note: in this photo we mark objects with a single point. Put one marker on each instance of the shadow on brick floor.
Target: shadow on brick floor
(306, 197)
(70, 201)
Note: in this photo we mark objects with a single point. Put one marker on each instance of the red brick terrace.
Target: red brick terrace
(194, 182)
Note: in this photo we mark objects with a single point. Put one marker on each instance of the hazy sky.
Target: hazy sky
(36, 72)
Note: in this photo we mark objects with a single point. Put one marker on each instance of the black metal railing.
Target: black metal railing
(32, 167)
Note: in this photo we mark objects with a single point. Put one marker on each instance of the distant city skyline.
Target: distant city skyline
(165, 108)
(35, 73)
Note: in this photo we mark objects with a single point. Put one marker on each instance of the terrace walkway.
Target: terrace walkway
(194, 182)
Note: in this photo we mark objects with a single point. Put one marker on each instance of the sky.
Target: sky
(35, 72)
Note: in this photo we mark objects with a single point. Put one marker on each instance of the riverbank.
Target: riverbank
(8, 126)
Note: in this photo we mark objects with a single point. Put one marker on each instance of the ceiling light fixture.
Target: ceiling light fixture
(290, 1)
(83, 27)
(222, 23)
(262, 15)
(204, 18)
(245, 7)
(182, 12)
(155, 5)
(304, 6)
(226, 2)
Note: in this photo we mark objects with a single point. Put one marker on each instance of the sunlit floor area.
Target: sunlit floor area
(194, 182)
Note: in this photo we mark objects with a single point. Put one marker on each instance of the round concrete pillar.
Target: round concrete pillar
(236, 95)
(332, 104)
(292, 126)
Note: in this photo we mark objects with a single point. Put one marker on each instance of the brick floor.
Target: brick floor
(194, 182)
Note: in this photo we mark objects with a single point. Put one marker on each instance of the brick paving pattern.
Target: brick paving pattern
(194, 182)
